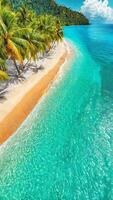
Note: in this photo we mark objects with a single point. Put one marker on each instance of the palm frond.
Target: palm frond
(13, 51)
(3, 75)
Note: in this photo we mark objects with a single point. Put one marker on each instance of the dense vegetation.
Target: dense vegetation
(29, 28)
(66, 15)
(24, 35)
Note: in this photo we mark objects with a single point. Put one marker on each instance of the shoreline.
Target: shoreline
(25, 96)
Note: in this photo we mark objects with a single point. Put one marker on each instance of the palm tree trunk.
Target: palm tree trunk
(15, 64)
(26, 64)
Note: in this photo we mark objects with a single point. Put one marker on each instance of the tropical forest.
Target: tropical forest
(28, 28)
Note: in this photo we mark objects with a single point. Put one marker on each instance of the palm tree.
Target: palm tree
(58, 30)
(24, 35)
(25, 16)
(50, 29)
(11, 36)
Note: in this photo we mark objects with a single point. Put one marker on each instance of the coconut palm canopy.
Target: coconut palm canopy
(30, 28)
(24, 34)
(67, 15)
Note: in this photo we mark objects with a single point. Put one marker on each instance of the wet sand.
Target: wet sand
(21, 101)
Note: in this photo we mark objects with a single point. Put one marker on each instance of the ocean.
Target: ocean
(64, 150)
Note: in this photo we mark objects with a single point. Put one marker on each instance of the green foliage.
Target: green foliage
(3, 75)
(66, 15)
(31, 27)
(24, 34)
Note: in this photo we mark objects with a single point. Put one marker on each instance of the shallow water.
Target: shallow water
(64, 150)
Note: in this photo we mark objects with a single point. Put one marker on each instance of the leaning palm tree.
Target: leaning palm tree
(58, 30)
(11, 37)
(24, 35)
(45, 24)
(50, 28)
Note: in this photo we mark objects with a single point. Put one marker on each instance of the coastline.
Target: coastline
(23, 97)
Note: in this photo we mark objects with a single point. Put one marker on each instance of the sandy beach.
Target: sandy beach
(21, 99)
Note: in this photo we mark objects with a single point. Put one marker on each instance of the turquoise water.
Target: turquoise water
(64, 150)
(71, 4)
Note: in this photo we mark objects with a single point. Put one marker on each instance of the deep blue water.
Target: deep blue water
(64, 150)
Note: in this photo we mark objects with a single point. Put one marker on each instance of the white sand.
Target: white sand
(18, 91)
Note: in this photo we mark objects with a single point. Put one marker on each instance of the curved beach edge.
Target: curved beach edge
(23, 98)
